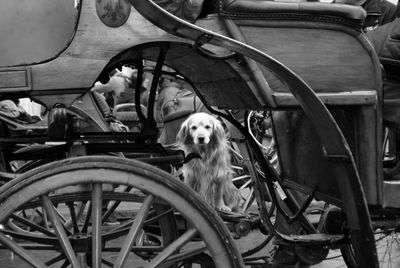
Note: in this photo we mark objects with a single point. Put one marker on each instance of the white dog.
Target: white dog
(210, 176)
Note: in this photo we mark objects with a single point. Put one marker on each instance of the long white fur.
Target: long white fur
(210, 176)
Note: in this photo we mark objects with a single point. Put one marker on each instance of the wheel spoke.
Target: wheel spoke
(114, 206)
(45, 219)
(55, 259)
(245, 185)
(82, 259)
(59, 229)
(96, 225)
(87, 219)
(134, 230)
(249, 200)
(107, 263)
(121, 228)
(177, 258)
(173, 247)
(65, 264)
(60, 216)
(31, 224)
(72, 213)
(158, 216)
(20, 251)
(234, 151)
(242, 177)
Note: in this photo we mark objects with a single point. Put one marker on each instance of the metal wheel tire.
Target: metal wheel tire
(206, 232)
(387, 246)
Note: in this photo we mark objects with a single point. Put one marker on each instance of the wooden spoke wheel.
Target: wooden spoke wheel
(87, 191)
(387, 242)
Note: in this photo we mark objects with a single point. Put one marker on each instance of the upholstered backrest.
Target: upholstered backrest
(323, 44)
(264, 9)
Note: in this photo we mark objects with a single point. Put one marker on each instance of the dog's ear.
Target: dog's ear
(183, 132)
(218, 130)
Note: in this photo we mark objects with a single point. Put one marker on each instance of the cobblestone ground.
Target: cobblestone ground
(388, 250)
(8, 260)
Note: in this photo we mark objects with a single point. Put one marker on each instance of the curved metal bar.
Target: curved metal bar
(139, 80)
(334, 144)
(154, 84)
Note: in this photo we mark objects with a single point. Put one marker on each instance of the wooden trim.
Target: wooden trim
(15, 79)
(283, 99)
(255, 72)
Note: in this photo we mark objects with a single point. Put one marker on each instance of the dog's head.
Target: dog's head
(201, 129)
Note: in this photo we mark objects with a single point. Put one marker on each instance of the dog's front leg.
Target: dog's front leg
(214, 195)
(192, 183)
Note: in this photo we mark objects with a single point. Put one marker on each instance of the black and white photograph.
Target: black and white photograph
(200, 133)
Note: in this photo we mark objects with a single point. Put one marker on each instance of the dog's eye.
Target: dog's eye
(193, 127)
(207, 126)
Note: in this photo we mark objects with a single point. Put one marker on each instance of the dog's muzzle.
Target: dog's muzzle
(202, 139)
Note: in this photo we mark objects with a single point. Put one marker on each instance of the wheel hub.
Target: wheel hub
(81, 242)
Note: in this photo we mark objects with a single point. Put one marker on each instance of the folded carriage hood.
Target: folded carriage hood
(34, 31)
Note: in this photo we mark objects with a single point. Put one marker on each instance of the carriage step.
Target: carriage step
(315, 239)
(231, 216)
(240, 224)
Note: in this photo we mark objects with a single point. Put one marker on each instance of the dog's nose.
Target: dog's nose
(201, 139)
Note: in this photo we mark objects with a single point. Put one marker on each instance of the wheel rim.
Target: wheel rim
(387, 245)
(155, 183)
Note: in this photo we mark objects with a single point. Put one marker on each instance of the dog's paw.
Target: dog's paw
(225, 208)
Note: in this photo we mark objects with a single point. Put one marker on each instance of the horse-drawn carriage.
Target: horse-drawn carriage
(305, 67)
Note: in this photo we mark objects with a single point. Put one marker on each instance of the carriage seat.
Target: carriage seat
(10, 126)
(15, 120)
(250, 9)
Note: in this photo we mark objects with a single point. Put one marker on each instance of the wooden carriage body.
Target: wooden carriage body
(295, 59)
(325, 47)
(322, 44)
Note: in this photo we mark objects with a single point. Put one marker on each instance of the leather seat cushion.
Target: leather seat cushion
(248, 9)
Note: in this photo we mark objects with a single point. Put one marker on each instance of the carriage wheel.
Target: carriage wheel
(387, 242)
(149, 238)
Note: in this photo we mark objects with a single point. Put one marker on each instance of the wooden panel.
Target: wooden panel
(300, 147)
(15, 79)
(302, 160)
(391, 191)
(328, 60)
(92, 47)
(368, 153)
(33, 31)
